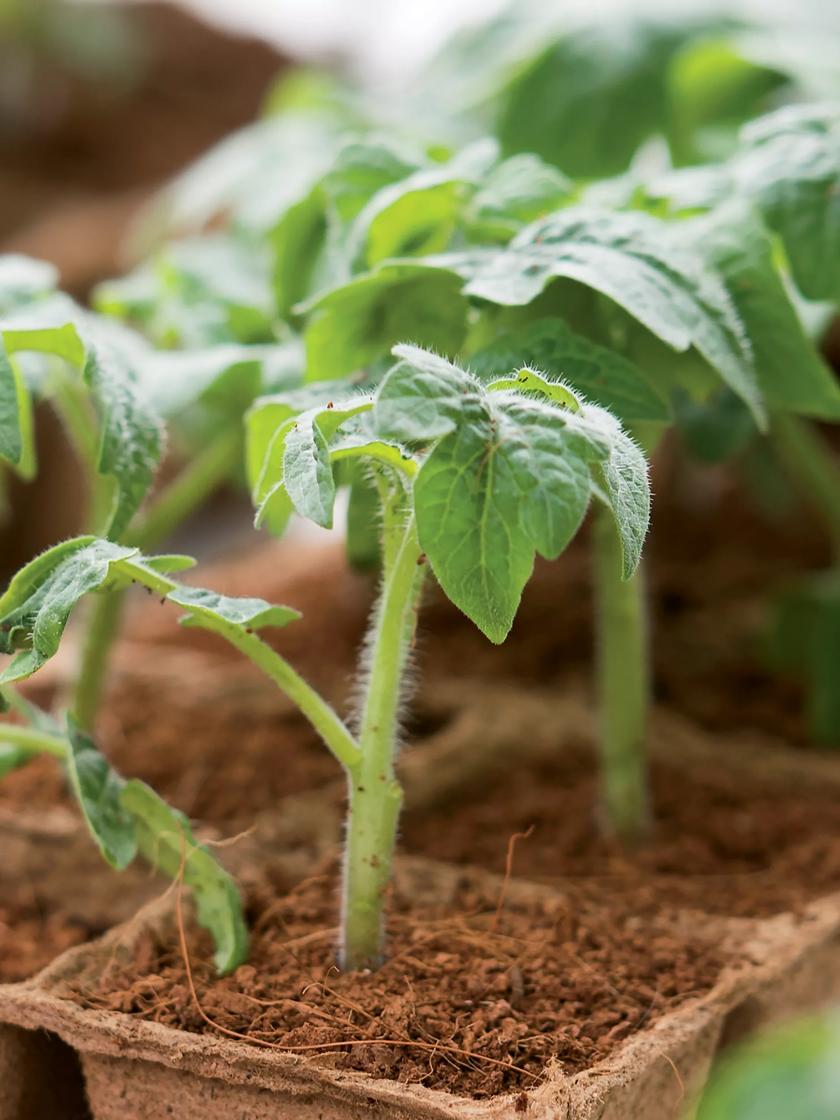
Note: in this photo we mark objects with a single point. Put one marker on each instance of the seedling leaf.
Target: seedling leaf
(165, 839)
(97, 788)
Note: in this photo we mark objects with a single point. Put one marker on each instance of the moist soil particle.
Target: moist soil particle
(466, 1001)
(718, 844)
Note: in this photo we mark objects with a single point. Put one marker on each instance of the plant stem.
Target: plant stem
(183, 495)
(623, 686)
(29, 739)
(814, 468)
(102, 625)
(375, 795)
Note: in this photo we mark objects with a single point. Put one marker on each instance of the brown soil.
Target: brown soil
(31, 936)
(459, 1005)
(719, 844)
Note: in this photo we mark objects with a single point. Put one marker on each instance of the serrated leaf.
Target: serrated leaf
(504, 483)
(307, 470)
(635, 260)
(220, 611)
(353, 325)
(600, 374)
(422, 396)
(790, 165)
(624, 484)
(165, 839)
(36, 606)
(97, 788)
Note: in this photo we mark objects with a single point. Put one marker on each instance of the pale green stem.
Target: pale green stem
(80, 421)
(38, 742)
(813, 467)
(172, 506)
(623, 686)
(375, 794)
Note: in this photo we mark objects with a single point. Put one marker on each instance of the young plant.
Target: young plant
(114, 394)
(473, 480)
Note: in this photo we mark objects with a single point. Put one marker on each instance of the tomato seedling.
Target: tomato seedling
(473, 480)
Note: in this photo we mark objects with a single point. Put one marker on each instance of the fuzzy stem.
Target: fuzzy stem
(101, 629)
(623, 686)
(183, 495)
(813, 467)
(375, 795)
(29, 739)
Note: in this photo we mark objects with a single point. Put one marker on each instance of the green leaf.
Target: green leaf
(38, 602)
(12, 758)
(716, 428)
(790, 372)
(97, 788)
(511, 474)
(353, 325)
(636, 261)
(600, 374)
(790, 165)
(223, 613)
(17, 443)
(422, 396)
(624, 485)
(588, 99)
(226, 378)
(307, 469)
(518, 191)
(165, 839)
(131, 432)
(790, 1073)
(363, 517)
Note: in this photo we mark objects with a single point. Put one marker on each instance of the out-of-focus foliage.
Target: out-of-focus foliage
(789, 1074)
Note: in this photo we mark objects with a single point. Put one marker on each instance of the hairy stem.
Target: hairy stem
(375, 795)
(623, 686)
(178, 500)
(814, 469)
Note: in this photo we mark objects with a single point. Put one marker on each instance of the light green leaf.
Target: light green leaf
(97, 788)
(166, 840)
(218, 612)
(17, 444)
(353, 325)
(600, 374)
(516, 192)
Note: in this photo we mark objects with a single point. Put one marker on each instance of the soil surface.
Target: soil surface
(467, 1001)
(718, 844)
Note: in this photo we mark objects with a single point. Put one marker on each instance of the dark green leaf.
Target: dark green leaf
(600, 374)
